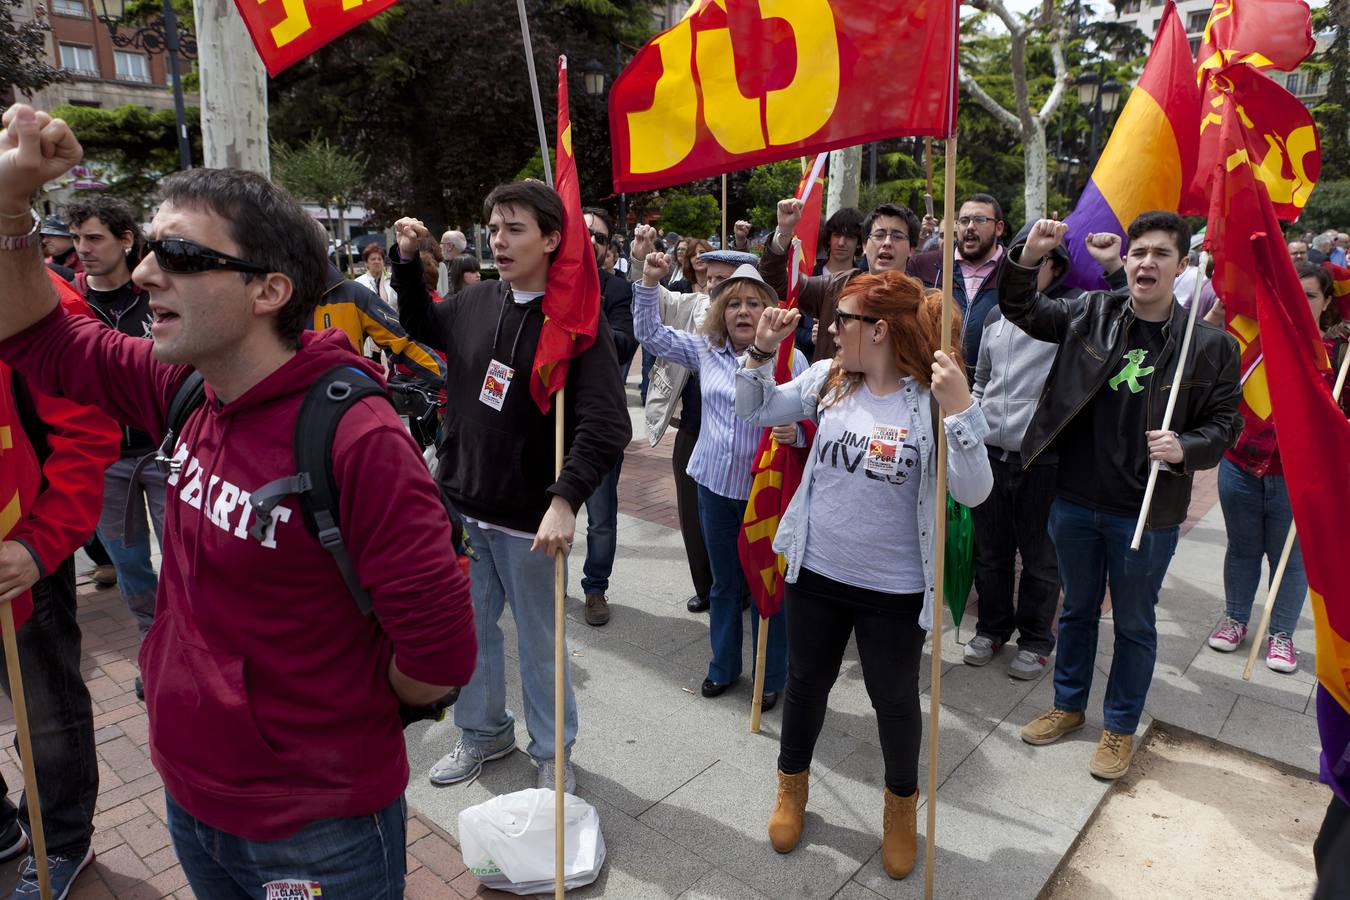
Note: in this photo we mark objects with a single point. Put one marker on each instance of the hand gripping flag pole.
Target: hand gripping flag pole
(30, 788)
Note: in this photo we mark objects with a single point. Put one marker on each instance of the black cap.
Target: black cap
(52, 226)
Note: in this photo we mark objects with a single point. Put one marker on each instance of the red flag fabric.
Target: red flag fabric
(1340, 277)
(572, 295)
(286, 31)
(777, 470)
(20, 478)
(736, 84)
(1264, 34)
(1314, 440)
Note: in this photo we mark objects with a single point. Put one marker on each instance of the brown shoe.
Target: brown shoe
(785, 825)
(899, 834)
(1112, 759)
(1050, 727)
(104, 576)
(597, 609)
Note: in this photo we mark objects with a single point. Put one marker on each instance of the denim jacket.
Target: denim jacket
(969, 478)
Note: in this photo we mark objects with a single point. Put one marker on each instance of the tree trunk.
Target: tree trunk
(1034, 191)
(233, 90)
(845, 175)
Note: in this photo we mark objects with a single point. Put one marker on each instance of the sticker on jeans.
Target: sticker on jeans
(883, 449)
(496, 383)
(291, 889)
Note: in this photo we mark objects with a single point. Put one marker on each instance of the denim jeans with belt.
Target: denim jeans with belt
(352, 858)
(130, 553)
(1094, 550)
(60, 718)
(1257, 516)
(721, 518)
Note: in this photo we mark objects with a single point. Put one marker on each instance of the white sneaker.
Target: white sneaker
(1280, 653)
(1228, 635)
(979, 650)
(465, 762)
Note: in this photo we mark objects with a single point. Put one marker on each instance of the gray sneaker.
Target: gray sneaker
(1027, 665)
(980, 649)
(547, 778)
(465, 762)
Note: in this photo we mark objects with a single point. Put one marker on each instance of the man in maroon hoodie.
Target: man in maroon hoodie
(273, 701)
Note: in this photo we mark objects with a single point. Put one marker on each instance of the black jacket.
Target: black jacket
(927, 267)
(616, 304)
(135, 320)
(498, 466)
(1091, 331)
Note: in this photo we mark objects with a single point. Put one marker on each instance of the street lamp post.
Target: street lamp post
(1103, 96)
(593, 79)
(160, 35)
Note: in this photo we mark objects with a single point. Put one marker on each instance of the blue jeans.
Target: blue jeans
(602, 533)
(60, 718)
(130, 553)
(1257, 516)
(353, 858)
(506, 571)
(1094, 550)
(721, 519)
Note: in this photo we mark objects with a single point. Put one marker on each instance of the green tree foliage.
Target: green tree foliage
(1333, 113)
(321, 173)
(134, 146)
(23, 52)
(1328, 207)
(767, 185)
(693, 213)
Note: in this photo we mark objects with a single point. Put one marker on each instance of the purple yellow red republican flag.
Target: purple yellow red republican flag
(735, 84)
(1314, 433)
(286, 31)
(572, 294)
(1150, 156)
(777, 470)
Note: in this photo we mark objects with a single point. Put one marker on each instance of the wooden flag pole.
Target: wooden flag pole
(939, 525)
(1156, 466)
(559, 678)
(761, 648)
(1274, 589)
(30, 788)
(534, 91)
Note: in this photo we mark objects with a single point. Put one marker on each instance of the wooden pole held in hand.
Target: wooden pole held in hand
(30, 788)
(1266, 614)
(559, 679)
(1156, 466)
(761, 648)
(939, 526)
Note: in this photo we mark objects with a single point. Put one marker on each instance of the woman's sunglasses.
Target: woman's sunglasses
(847, 316)
(179, 256)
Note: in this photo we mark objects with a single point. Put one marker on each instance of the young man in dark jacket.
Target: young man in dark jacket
(273, 701)
(497, 464)
(1102, 411)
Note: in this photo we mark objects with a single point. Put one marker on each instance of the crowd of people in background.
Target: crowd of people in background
(1050, 399)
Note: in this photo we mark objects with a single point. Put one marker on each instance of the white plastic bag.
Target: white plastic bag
(507, 842)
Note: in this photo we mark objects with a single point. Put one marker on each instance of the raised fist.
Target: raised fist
(1045, 235)
(644, 241)
(654, 268)
(1104, 246)
(410, 233)
(34, 149)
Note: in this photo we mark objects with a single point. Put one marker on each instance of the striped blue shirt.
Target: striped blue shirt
(726, 445)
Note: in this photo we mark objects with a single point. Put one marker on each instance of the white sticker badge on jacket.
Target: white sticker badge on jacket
(883, 449)
(496, 383)
(293, 889)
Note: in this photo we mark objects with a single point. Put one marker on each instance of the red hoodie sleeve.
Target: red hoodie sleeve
(398, 535)
(80, 359)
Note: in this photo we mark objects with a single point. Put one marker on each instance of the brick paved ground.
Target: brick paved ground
(134, 858)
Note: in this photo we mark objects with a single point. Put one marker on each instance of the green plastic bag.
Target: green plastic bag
(959, 572)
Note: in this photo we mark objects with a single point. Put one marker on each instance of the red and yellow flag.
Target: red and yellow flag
(1264, 34)
(777, 470)
(1340, 277)
(286, 31)
(736, 84)
(1314, 438)
(572, 295)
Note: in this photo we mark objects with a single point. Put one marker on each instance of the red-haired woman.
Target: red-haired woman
(858, 534)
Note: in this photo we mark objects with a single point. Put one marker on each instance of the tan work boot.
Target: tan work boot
(785, 825)
(1050, 727)
(899, 834)
(1114, 752)
(597, 609)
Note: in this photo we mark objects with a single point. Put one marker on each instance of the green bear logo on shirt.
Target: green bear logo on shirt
(1131, 373)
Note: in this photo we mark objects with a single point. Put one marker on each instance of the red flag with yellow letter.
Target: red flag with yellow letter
(777, 470)
(286, 31)
(735, 84)
(572, 294)
(1264, 34)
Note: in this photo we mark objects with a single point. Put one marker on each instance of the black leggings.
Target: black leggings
(821, 614)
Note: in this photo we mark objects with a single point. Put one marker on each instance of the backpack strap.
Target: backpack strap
(190, 395)
(326, 401)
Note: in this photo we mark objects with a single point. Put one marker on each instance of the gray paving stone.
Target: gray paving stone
(718, 885)
(987, 691)
(855, 891)
(1280, 734)
(722, 816)
(640, 863)
(1224, 670)
(1177, 700)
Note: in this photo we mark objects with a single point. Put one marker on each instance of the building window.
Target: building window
(1155, 2)
(69, 8)
(79, 59)
(132, 66)
(1195, 45)
(1130, 7)
(1313, 82)
(1196, 21)
(1294, 82)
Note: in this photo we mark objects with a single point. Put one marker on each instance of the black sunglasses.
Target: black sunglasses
(179, 256)
(599, 237)
(847, 316)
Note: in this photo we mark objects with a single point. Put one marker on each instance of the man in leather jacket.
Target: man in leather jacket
(1102, 410)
